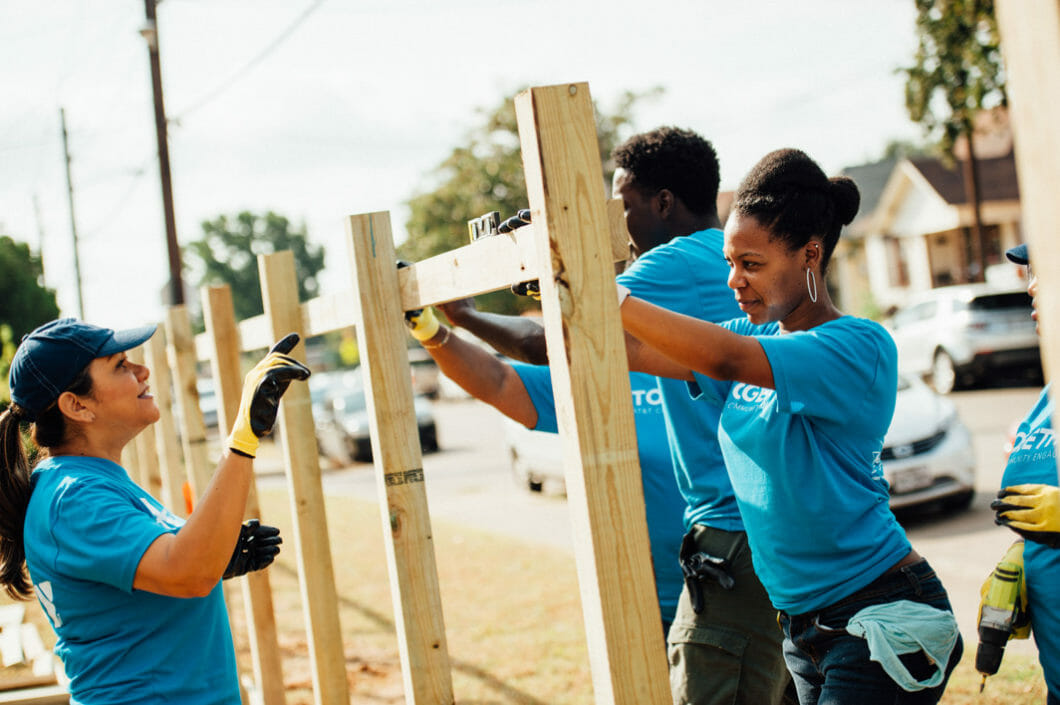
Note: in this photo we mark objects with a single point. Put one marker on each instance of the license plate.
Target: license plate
(909, 479)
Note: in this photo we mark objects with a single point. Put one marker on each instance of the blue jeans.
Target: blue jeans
(831, 667)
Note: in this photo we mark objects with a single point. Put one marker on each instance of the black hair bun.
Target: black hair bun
(846, 197)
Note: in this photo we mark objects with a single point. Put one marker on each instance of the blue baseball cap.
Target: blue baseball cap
(1018, 254)
(50, 358)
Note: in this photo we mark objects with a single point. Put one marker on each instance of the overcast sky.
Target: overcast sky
(321, 108)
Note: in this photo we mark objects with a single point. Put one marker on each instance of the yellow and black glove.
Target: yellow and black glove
(262, 388)
(422, 322)
(1032, 511)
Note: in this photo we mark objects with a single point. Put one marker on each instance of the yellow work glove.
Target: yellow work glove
(1021, 619)
(262, 388)
(422, 322)
(1032, 511)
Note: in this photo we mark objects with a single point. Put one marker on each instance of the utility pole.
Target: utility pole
(150, 33)
(73, 220)
(40, 237)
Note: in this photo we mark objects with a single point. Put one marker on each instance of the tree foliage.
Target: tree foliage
(25, 302)
(486, 174)
(957, 68)
(227, 254)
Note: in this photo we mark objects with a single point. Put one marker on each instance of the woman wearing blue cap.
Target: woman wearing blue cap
(806, 395)
(1029, 504)
(132, 591)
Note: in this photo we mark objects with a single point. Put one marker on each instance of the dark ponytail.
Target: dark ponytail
(49, 431)
(14, 498)
(788, 193)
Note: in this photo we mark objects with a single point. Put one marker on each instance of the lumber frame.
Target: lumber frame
(166, 440)
(316, 577)
(594, 410)
(220, 318)
(1030, 42)
(398, 461)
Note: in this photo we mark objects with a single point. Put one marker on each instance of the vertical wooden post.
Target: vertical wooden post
(398, 463)
(193, 430)
(147, 447)
(594, 409)
(1030, 40)
(220, 319)
(168, 444)
(279, 288)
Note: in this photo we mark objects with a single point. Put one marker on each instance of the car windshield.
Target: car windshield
(998, 302)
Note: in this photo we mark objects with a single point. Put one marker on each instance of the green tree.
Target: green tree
(227, 254)
(957, 72)
(486, 174)
(25, 302)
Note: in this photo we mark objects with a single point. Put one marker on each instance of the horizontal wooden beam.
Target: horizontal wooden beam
(480, 267)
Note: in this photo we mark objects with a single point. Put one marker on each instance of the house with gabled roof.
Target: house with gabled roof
(914, 230)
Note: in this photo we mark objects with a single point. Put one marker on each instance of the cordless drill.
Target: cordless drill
(1000, 614)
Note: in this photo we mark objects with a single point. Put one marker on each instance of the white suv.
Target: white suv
(957, 334)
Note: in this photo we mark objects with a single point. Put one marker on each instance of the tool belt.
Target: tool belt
(700, 566)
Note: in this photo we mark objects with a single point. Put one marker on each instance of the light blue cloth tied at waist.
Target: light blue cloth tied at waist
(905, 627)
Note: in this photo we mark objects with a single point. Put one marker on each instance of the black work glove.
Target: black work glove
(262, 388)
(257, 547)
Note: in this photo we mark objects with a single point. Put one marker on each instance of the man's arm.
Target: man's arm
(482, 375)
(517, 337)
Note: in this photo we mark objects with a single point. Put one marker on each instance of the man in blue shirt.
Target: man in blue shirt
(725, 645)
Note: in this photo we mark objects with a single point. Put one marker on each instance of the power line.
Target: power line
(272, 46)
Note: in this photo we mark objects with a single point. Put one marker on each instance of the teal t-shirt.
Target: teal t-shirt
(689, 275)
(87, 527)
(663, 503)
(1033, 461)
(804, 459)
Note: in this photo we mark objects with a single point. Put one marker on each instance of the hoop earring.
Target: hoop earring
(811, 279)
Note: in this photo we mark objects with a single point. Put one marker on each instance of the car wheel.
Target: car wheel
(943, 373)
(534, 484)
(429, 440)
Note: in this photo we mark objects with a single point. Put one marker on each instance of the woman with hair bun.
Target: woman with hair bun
(807, 394)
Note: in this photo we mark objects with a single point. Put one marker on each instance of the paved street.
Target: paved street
(470, 482)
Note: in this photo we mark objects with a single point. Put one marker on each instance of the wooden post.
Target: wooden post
(147, 447)
(220, 319)
(193, 430)
(1030, 41)
(399, 463)
(594, 409)
(279, 288)
(166, 441)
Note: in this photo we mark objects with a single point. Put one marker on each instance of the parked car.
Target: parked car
(927, 453)
(340, 415)
(957, 334)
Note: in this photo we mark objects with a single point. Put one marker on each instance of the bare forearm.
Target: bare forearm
(513, 336)
(190, 562)
(483, 376)
(696, 344)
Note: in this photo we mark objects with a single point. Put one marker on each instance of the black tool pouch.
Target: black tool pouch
(698, 567)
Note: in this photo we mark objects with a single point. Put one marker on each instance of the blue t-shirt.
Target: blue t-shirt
(1033, 461)
(663, 503)
(804, 459)
(87, 527)
(689, 275)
